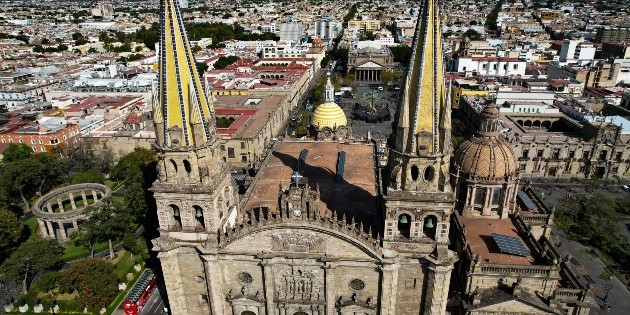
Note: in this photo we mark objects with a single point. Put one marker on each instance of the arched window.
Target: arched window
(176, 217)
(201, 224)
(414, 172)
(430, 226)
(404, 226)
(248, 313)
(187, 166)
(174, 165)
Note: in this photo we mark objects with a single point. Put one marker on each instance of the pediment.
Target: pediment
(370, 64)
(301, 239)
(512, 306)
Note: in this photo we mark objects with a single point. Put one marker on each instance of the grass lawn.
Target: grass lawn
(32, 225)
(73, 252)
(124, 264)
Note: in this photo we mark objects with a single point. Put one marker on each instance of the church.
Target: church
(323, 228)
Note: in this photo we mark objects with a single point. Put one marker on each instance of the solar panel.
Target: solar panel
(341, 162)
(510, 245)
(529, 203)
(302, 160)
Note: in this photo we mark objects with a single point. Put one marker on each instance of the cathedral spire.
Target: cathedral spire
(422, 119)
(183, 114)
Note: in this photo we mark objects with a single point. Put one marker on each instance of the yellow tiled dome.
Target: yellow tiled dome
(329, 115)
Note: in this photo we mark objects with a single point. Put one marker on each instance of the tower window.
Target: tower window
(176, 217)
(414, 172)
(430, 226)
(404, 225)
(187, 166)
(174, 165)
(429, 173)
(199, 217)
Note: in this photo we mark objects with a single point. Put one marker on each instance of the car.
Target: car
(626, 187)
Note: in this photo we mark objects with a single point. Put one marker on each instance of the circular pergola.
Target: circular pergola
(60, 211)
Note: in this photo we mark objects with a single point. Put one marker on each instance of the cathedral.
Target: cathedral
(323, 228)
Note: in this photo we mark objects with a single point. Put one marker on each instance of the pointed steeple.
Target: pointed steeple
(183, 114)
(423, 115)
(329, 90)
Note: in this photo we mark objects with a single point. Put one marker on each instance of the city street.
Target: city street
(582, 261)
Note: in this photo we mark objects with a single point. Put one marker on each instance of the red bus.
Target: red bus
(140, 293)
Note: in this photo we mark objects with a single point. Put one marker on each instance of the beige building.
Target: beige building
(508, 263)
(602, 74)
(368, 63)
(365, 26)
(558, 145)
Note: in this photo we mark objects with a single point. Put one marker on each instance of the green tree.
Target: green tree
(76, 35)
(90, 176)
(10, 229)
(223, 62)
(62, 47)
(94, 280)
(30, 258)
(92, 50)
(132, 166)
(15, 152)
(472, 34)
(136, 201)
(201, 67)
(392, 77)
(45, 41)
(105, 223)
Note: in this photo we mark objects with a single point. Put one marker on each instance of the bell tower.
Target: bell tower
(193, 192)
(419, 199)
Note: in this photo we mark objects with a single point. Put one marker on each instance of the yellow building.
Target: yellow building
(365, 26)
(462, 87)
(328, 120)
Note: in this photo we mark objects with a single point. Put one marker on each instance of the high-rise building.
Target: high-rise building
(291, 31)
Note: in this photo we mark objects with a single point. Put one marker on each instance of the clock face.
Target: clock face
(297, 212)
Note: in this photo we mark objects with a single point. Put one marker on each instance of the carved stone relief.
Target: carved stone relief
(297, 241)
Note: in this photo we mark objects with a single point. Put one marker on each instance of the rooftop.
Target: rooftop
(355, 196)
(478, 232)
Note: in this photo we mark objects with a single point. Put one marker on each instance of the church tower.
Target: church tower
(193, 192)
(418, 199)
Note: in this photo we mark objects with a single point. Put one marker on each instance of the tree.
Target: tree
(196, 49)
(132, 166)
(94, 280)
(223, 62)
(472, 34)
(30, 258)
(76, 35)
(91, 50)
(10, 229)
(201, 67)
(105, 223)
(388, 77)
(136, 201)
(15, 152)
(45, 41)
(90, 176)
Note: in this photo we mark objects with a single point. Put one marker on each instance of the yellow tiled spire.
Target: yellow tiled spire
(422, 112)
(183, 115)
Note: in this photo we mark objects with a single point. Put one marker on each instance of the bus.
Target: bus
(140, 293)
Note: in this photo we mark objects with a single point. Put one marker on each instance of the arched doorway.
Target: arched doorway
(300, 313)
(247, 313)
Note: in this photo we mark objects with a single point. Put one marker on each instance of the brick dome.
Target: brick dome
(486, 157)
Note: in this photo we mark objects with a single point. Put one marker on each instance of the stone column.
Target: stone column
(62, 229)
(94, 195)
(42, 228)
(85, 203)
(437, 292)
(71, 196)
(329, 282)
(268, 285)
(213, 280)
(49, 207)
(389, 281)
(75, 225)
(60, 204)
(282, 310)
(51, 230)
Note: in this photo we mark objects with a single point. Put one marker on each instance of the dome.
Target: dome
(486, 157)
(329, 115)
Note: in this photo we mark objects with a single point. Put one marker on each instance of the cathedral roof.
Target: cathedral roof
(182, 100)
(329, 115)
(487, 155)
(484, 157)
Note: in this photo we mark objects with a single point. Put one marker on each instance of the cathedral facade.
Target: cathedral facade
(321, 230)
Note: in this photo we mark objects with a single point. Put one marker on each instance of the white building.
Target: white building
(291, 32)
(327, 30)
(576, 50)
(491, 66)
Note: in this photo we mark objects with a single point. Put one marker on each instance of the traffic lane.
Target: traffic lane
(154, 306)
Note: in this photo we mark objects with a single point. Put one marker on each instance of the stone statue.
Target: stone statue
(368, 301)
(259, 295)
(230, 294)
(245, 290)
(354, 297)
